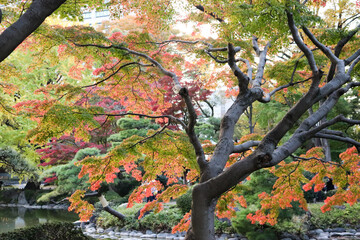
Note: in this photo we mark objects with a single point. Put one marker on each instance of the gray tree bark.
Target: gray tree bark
(14, 35)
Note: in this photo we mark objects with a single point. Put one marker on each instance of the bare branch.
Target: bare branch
(141, 115)
(297, 158)
(201, 8)
(339, 138)
(224, 49)
(351, 19)
(216, 58)
(203, 111)
(287, 85)
(177, 41)
(111, 75)
(143, 55)
(245, 146)
(184, 93)
(339, 118)
(151, 136)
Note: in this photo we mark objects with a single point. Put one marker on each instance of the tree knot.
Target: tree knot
(264, 160)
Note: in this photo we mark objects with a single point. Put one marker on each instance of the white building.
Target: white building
(94, 18)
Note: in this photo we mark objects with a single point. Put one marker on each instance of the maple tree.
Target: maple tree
(264, 52)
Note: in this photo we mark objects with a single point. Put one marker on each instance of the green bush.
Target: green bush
(297, 225)
(124, 185)
(32, 195)
(184, 202)
(47, 231)
(162, 221)
(105, 219)
(9, 195)
(288, 213)
(266, 234)
(241, 224)
(337, 217)
(252, 231)
(223, 227)
(156, 222)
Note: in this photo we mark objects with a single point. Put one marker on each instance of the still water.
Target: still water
(18, 217)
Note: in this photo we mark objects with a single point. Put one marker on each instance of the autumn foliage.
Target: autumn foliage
(285, 84)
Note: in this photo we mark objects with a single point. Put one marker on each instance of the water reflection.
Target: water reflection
(19, 217)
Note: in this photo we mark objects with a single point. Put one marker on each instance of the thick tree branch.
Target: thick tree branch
(338, 49)
(356, 61)
(190, 129)
(242, 78)
(255, 45)
(14, 35)
(105, 205)
(352, 57)
(304, 133)
(261, 66)
(225, 146)
(339, 118)
(248, 65)
(333, 132)
(323, 48)
(308, 54)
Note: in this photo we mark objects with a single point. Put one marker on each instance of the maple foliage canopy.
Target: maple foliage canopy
(77, 81)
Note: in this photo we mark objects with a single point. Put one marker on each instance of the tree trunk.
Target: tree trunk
(327, 150)
(203, 215)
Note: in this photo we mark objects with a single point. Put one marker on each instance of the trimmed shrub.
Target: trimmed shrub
(223, 226)
(47, 231)
(156, 222)
(184, 202)
(347, 216)
(105, 219)
(162, 221)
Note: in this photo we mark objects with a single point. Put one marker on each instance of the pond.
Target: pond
(18, 217)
